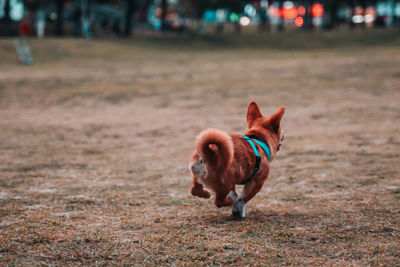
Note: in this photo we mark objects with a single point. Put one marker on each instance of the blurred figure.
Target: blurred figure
(24, 51)
(369, 16)
(40, 23)
(86, 25)
(25, 27)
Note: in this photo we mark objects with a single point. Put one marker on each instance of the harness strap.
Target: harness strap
(258, 158)
(265, 147)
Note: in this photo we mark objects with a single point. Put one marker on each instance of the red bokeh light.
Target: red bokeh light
(299, 21)
(301, 11)
(289, 13)
(317, 10)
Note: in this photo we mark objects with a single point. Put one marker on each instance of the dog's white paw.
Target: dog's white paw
(239, 209)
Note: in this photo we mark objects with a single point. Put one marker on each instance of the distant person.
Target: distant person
(86, 25)
(40, 23)
(25, 27)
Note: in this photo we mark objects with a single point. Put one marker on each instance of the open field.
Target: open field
(95, 137)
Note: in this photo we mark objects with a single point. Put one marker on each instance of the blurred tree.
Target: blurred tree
(231, 5)
(128, 17)
(59, 29)
(164, 6)
(7, 11)
(6, 20)
(197, 7)
(308, 24)
(331, 9)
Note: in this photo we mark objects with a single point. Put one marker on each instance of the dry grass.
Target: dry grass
(95, 137)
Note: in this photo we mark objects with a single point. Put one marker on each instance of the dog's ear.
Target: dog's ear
(276, 118)
(253, 113)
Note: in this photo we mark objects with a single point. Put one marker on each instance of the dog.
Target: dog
(221, 161)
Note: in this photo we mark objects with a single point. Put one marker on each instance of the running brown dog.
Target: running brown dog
(220, 160)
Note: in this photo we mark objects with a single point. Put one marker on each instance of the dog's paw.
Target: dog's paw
(235, 213)
(200, 192)
(239, 210)
(205, 194)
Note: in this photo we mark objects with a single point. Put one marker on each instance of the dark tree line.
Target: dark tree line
(59, 5)
(196, 9)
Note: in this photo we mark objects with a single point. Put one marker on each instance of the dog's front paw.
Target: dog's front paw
(239, 209)
(235, 213)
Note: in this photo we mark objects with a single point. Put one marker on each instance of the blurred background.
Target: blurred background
(105, 18)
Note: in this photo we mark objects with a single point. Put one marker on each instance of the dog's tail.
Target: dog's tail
(216, 149)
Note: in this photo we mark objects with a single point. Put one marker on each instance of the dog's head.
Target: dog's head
(268, 128)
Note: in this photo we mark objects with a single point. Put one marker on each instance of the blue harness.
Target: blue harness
(266, 149)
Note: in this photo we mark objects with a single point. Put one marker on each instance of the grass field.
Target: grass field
(95, 137)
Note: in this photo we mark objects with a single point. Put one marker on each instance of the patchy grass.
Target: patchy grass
(95, 137)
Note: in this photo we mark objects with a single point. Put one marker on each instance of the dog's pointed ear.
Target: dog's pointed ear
(253, 113)
(276, 118)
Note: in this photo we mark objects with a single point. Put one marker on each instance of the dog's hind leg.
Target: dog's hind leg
(198, 190)
(224, 198)
(251, 188)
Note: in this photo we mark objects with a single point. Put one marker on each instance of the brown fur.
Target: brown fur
(221, 160)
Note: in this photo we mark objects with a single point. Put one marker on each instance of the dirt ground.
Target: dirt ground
(95, 137)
